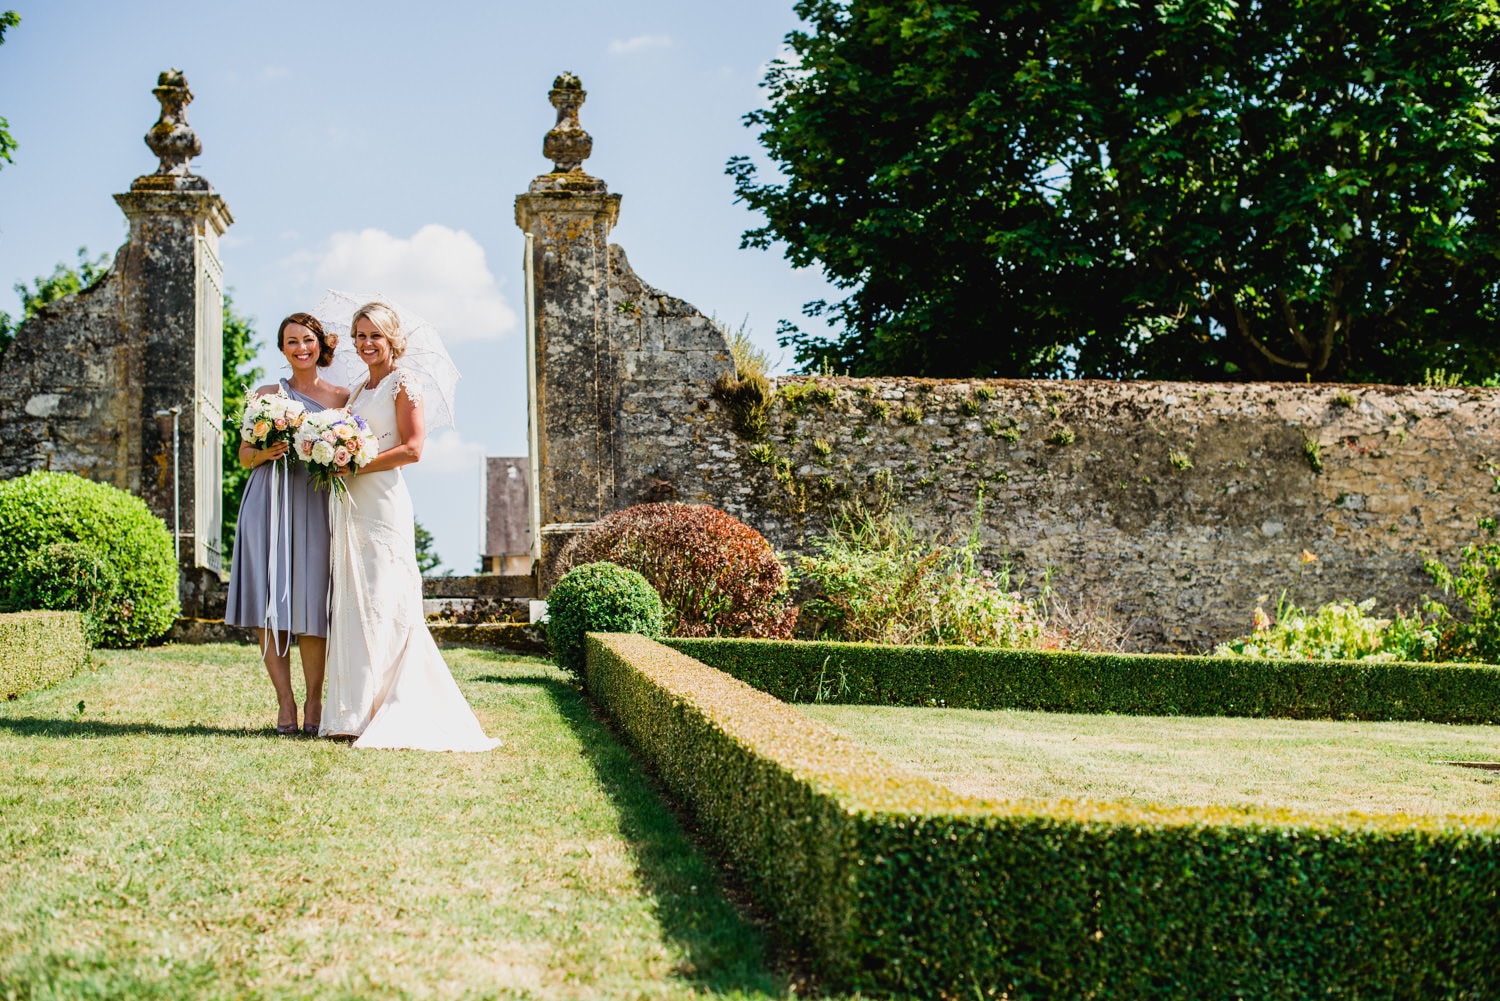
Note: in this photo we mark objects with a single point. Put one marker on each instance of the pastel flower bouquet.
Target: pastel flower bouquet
(333, 441)
(271, 419)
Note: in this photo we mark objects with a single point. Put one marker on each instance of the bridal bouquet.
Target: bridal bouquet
(331, 441)
(270, 419)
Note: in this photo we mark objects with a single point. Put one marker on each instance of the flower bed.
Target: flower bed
(1138, 684)
(38, 650)
(893, 884)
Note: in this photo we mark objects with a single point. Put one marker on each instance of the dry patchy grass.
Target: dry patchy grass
(160, 842)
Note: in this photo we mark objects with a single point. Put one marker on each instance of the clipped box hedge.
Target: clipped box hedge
(1133, 684)
(893, 884)
(38, 650)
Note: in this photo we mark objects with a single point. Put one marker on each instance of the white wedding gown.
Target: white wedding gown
(387, 681)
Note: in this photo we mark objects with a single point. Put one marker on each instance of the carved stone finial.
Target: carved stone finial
(171, 138)
(567, 145)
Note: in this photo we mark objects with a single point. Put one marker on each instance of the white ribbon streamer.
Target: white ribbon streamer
(280, 502)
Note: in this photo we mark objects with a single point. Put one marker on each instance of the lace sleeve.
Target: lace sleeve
(409, 382)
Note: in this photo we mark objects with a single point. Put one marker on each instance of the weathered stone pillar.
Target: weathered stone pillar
(174, 296)
(569, 215)
(83, 384)
(608, 348)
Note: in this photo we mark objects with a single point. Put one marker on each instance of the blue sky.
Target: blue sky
(367, 145)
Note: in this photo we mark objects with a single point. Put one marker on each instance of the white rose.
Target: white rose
(322, 452)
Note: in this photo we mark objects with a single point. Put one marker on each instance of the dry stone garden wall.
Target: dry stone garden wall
(1175, 506)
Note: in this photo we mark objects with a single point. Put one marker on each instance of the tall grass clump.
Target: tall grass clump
(746, 393)
(873, 578)
(1339, 630)
(1474, 633)
(1345, 630)
(750, 360)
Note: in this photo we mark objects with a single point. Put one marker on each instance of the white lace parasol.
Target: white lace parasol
(425, 356)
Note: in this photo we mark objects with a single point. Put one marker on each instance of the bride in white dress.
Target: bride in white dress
(387, 682)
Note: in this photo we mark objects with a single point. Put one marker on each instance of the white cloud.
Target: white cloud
(275, 72)
(446, 451)
(438, 273)
(640, 43)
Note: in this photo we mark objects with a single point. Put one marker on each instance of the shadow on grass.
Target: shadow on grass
(532, 679)
(51, 726)
(723, 951)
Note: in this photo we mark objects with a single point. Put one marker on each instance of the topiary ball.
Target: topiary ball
(41, 509)
(598, 598)
(68, 577)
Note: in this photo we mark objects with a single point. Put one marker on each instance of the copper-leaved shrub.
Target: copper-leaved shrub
(716, 575)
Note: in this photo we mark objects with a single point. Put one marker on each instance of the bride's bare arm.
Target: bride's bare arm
(413, 431)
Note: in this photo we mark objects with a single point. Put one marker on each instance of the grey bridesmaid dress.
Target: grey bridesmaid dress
(301, 586)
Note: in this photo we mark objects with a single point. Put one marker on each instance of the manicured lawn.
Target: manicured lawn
(158, 841)
(1311, 766)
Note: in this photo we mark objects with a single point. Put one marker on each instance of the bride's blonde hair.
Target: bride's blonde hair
(386, 321)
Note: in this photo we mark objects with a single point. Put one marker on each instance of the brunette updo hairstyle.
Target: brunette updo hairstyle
(386, 321)
(326, 341)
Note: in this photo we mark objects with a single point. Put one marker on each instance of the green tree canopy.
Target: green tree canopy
(428, 559)
(8, 19)
(240, 375)
(1168, 188)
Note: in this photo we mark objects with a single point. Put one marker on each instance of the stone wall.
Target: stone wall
(70, 390)
(1173, 506)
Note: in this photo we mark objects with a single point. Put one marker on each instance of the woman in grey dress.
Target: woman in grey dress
(296, 602)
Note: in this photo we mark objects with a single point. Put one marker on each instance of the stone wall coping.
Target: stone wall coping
(207, 205)
(533, 204)
(1127, 385)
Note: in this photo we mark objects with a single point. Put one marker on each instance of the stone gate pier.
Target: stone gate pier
(122, 383)
(605, 346)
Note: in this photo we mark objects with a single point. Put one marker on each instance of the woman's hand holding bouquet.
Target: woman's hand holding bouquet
(334, 443)
(271, 420)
